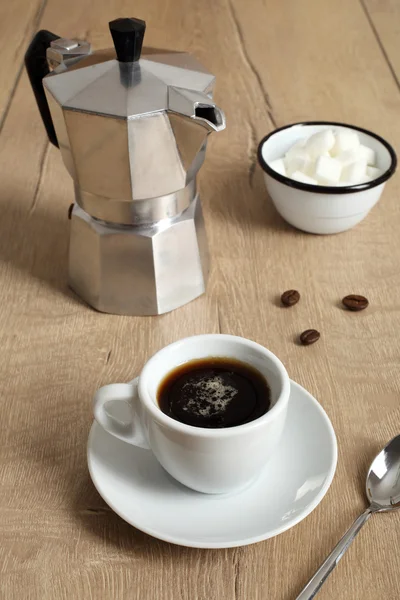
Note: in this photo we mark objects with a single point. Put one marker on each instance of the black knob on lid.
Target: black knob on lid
(128, 37)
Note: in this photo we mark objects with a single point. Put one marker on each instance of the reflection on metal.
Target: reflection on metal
(139, 270)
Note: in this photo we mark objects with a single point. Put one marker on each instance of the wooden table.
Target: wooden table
(276, 62)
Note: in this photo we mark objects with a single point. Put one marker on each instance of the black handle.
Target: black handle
(127, 35)
(37, 68)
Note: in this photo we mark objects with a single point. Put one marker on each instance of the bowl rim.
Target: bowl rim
(327, 189)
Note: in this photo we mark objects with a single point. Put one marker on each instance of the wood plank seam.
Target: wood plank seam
(252, 152)
(11, 97)
(236, 571)
(379, 42)
(42, 165)
(249, 61)
(36, 22)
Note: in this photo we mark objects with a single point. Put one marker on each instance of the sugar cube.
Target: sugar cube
(367, 154)
(345, 140)
(355, 172)
(299, 176)
(296, 151)
(374, 172)
(278, 165)
(299, 161)
(347, 156)
(327, 170)
(299, 145)
(329, 157)
(319, 143)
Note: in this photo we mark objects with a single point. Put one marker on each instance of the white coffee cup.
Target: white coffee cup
(211, 461)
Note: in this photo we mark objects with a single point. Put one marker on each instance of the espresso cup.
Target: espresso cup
(211, 461)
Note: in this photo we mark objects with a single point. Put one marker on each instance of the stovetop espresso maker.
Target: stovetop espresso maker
(132, 126)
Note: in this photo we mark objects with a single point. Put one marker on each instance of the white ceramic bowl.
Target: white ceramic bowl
(317, 208)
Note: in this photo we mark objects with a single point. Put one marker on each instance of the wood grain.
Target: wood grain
(19, 21)
(275, 63)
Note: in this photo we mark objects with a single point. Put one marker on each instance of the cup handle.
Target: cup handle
(131, 431)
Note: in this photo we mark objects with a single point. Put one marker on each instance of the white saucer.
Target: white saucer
(295, 480)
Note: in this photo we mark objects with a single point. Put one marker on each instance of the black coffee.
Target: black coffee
(214, 393)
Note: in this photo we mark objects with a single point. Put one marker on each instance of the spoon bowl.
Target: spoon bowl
(383, 479)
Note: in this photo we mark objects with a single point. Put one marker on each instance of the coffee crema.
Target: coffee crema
(214, 392)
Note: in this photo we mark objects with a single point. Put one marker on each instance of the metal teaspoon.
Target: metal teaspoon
(383, 492)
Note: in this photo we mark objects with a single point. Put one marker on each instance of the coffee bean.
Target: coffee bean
(310, 336)
(355, 302)
(290, 297)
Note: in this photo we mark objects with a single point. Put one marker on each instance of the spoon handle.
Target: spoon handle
(332, 560)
